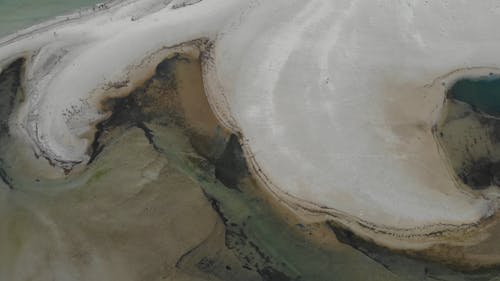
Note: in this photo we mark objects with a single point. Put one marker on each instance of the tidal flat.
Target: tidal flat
(167, 195)
(146, 178)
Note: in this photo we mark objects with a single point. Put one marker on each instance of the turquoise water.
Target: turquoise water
(483, 94)
(18, 14)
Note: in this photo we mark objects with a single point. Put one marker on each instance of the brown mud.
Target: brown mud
(162, 101)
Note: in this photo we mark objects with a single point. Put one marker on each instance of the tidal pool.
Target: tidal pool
(470, 130)
(482, 94)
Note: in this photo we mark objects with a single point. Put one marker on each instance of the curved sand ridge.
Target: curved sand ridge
(335, 100)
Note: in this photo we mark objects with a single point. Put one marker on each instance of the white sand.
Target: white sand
(331, 96)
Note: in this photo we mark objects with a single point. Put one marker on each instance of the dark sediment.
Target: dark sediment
(5, 177)
(481, 174)
(154, 101)
(10, 87)
(271, 274)
(231, 166)
(413, 263)
(10, 94)
(473, 105)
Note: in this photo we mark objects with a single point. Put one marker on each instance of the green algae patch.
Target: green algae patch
(98, 175)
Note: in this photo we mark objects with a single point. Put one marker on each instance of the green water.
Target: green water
(18, 14)
(483, 94)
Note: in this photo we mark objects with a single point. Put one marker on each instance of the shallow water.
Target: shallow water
(483, 94)
(17, 14)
